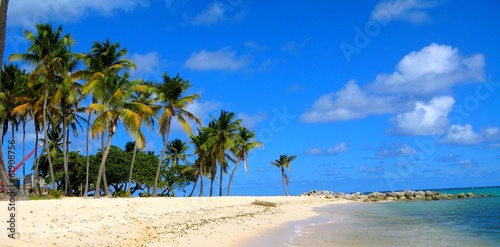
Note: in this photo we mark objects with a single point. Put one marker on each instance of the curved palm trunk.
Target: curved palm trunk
(283, 180)
(102, 168)
(231, 179)
(85, 194)
(103, 147)
(194, 187)
(160, 162)
(131, 170)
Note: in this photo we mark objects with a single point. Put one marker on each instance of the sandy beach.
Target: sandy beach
(215, 221)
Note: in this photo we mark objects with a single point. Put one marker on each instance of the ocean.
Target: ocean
(457, 222)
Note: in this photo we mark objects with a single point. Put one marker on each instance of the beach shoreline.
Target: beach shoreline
(203, 221)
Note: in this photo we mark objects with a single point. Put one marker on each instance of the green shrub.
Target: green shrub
(56, 194)
(35, 197)
(121, 193)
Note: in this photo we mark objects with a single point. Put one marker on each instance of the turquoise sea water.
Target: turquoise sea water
(458, 222)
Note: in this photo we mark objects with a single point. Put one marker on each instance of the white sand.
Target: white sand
(215, 221)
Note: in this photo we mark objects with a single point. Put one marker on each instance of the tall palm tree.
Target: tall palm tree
(245, 143)
(49, 52)
(30, 104)
(117, 106)
(104, 58)
(15, 80)
(225, 132)
(201, 149)
(3, 26)
(67, 97)
(148, 98)
(9, 75)
(171, 95)
(282, 162)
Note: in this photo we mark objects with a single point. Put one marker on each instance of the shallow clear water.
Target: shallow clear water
(460, 222)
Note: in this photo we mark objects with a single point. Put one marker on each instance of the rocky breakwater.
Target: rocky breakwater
(391, 196)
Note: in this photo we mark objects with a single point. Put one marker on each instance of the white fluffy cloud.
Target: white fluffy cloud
(351, 102)
(426, 118)
(430, 72)
(465, 135)
(414, 11)
(27, 13)
(434, 69)
(223, 59)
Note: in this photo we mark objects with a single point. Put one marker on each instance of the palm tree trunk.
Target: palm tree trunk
(24, 155)
(3, 27)
(65, 150)
(220, 179)
(194, 187)
(37, 161)
(102, 168)
(85, 194)
(201, 179)
(283, 180)
(3, 169)
(231, 179)
(104, 181)
(46, 136)
(211, 184)
(131, 170)
(160, 162)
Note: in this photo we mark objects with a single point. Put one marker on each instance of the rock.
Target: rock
(409, 194)
(420, 195)
(470, 195)
(377, 196)
(461, 195)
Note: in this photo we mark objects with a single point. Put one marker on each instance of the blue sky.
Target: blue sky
(370, 95)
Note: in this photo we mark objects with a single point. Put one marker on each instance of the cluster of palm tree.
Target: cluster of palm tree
(224, 140)
(67, 90)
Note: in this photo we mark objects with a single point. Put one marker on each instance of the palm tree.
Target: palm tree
(148, 98)
(9, 75)
(201, 146)
(14, 83)
(282, 162)
(245, 143)
(116, 92)
(49, 52)
(67, 97)
(176, 153)
(104, 58)
(171, 95)
(225, 132)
